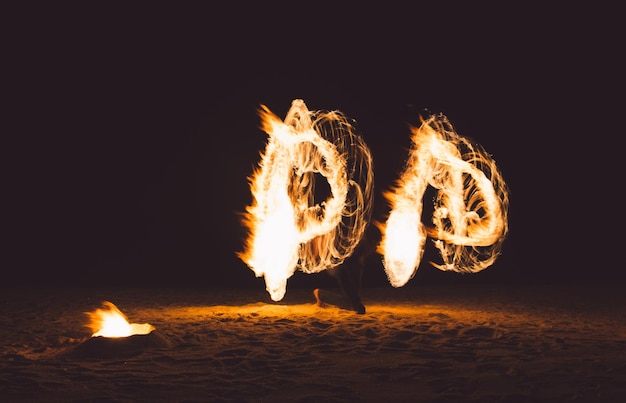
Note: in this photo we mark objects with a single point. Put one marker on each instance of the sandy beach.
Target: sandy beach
(435, 343)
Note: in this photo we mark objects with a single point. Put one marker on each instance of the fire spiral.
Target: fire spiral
(294, 223)
(470, 207)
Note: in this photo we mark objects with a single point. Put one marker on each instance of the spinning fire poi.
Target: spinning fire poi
(289, 228)
(470, 208)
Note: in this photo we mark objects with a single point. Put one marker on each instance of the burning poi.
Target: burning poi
(470, 208)
(289, 228)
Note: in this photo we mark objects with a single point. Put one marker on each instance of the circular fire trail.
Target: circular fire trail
(470, 207)
(293, 222)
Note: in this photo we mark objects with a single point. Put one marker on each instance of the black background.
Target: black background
(131, 128)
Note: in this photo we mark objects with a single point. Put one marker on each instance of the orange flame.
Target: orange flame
(289, 229)
(470, 209)
(111, 322)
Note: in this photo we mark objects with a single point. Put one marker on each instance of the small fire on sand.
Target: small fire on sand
(470, 208)
(312, 196)
(109, 321)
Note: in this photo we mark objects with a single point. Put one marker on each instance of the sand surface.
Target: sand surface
(427, 343)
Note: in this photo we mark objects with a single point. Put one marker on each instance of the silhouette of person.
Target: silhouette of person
(349, 276)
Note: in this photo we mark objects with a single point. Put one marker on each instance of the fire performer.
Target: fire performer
(349, 276)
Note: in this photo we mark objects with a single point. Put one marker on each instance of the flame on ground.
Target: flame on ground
(293, 222)
(470, 209)
(111, 322)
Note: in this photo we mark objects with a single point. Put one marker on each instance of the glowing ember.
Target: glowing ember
(111, 322)
(470, 209)
(293, 223)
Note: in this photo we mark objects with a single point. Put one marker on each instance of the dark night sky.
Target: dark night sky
(134, 127)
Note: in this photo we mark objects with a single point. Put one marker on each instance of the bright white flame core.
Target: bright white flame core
(289, 229)
(111, 322)
(470, 209)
